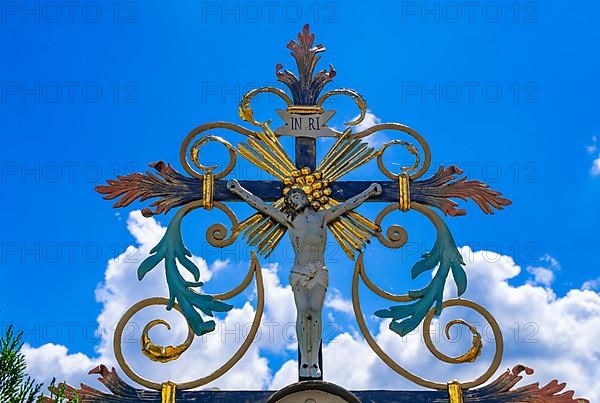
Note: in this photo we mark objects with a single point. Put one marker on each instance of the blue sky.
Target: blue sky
(110, 87)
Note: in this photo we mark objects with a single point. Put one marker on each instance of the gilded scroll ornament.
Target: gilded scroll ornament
(159, 353)
(316, 191)
(474, 350)
(164, 354)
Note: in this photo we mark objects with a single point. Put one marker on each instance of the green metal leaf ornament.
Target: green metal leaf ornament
(172, 250)
(446, 257)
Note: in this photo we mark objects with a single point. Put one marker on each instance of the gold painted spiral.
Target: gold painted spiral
(475, 350)
(469, 356)
(118, 346)
(160, 353)
(191, 156)
(424, 163)
(476, 344)
(216, 234)
(356, 97)
(153, 351)
(245, 108)
(396, 235)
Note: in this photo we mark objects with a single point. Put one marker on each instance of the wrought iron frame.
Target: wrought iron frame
(205, 188)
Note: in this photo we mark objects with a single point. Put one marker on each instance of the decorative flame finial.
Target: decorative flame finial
(305, 89)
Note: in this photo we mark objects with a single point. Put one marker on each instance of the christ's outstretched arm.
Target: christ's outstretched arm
(234, 186)
(353, 202)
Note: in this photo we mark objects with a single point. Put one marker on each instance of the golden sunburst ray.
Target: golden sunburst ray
(268, 154)
(352, 230)
(346, 155)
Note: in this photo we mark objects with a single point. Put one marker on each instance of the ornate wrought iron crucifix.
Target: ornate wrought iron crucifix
(306, 119)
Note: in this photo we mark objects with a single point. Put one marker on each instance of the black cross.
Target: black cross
(174, 189)
(171, 189)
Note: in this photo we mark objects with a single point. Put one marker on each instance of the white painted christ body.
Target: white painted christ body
(309, 277)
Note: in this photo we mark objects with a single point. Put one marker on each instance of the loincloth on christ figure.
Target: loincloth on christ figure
(307, 276)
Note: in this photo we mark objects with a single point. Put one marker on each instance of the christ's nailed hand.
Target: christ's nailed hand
(233, 185)
(375, 189)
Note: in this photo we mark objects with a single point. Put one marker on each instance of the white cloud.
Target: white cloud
(555, 335)
(552, 262)
(121, 289)
(596, 167)
(336, 301)
(592, 147)
(278, 330)
(219, 265)
(369, 120)
(376, 139)
(52, 360)
(593, 284)
(288, 373)
(541, 275)
(544, 275)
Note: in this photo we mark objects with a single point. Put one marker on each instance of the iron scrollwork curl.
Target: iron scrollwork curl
(396, 235)
(475, 350)
(409, 147)
(193, 155)
(216, 234)
(420, 306)
(471, 355)
(245, 108)
(424, 162)
(169, 353)
(445, 256)
(358, 99)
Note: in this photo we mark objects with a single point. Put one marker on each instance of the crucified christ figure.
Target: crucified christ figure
(309, 277)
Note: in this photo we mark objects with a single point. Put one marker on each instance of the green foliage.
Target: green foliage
(15, 385)
(58, 394)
